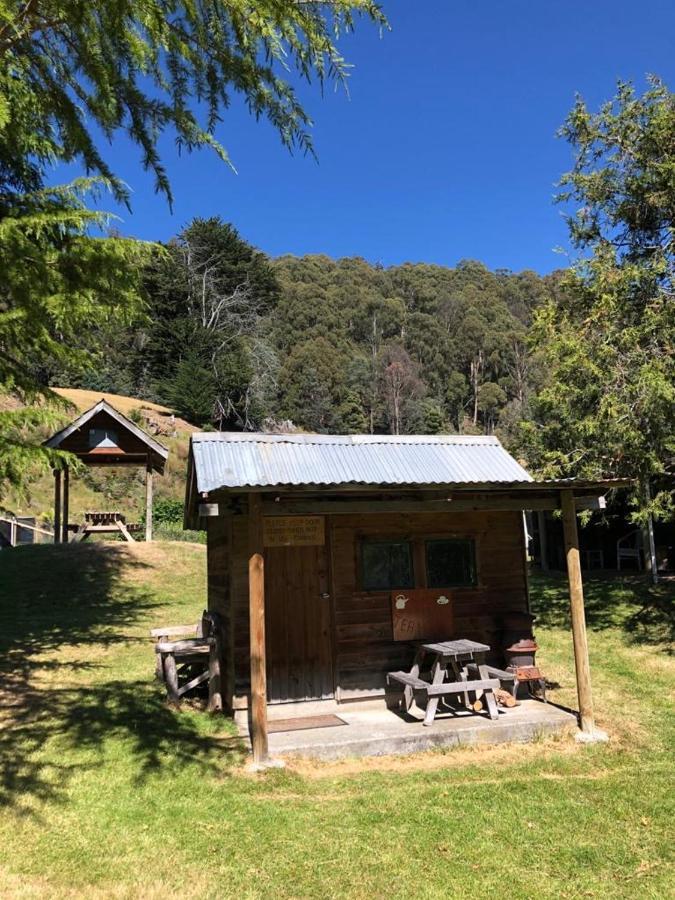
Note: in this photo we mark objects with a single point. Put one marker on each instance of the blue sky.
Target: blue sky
(445, 148)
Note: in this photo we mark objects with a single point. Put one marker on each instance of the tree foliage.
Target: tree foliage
(71, 70)
(57, 281)
(333, 346)
(608, 405)
(142, 66)
(208, 294)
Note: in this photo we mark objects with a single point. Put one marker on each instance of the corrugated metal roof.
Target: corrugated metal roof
(239, 460)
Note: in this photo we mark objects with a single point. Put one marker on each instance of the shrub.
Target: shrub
(167, 510)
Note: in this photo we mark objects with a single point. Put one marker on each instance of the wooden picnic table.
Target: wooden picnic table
(105, 522)
(449, 676)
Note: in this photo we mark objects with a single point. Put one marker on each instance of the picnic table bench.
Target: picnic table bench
(450, 658)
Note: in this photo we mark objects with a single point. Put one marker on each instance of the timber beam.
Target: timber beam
(287, 506)
(148, 500)
(58, 532)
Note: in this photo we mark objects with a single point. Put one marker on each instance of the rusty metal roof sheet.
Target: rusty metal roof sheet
(240, 460)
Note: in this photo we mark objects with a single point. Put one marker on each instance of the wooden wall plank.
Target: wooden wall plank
(365, 648)
(218, 556)
(361, 621)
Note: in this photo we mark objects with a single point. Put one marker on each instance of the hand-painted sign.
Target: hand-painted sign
(293, 531)
(421, 614)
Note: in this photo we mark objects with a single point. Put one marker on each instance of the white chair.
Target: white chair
(629, 547)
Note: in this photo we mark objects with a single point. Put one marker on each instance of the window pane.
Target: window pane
(387, 565)
(450, 563)
(102, 437)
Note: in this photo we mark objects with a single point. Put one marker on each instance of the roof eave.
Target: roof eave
(57, 439)
(583, 486)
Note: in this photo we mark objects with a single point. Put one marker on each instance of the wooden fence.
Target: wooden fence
(13, 525)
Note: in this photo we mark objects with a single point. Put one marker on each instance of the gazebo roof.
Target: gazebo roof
(131, 447)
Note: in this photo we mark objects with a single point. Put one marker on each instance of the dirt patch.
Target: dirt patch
(15, 887)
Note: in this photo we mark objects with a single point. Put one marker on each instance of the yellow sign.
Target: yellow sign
(293, 531)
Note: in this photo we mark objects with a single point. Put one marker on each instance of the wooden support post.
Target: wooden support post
(57, 506)
(651, 546)
(653, 564)
(578, 616)
(256, 600)
(526, 559)
(543, 543)
(215, 689)
(66, 499)
(148, 501)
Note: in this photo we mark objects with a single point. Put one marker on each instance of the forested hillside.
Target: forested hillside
(235, 340)
(413, 348)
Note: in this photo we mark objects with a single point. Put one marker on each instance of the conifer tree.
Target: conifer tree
(607, 343)
(72, 68)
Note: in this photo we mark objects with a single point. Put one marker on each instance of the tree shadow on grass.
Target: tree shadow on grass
(65, 595)
(644, 612)
(77, 724)
(55, 598)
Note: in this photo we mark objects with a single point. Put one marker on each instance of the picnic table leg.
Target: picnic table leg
(171, 675)
(461, 674)
(80, 534)
(159, 666)
(479, 660)
(489, 695)
(408, 693)
(438, 676)
(215, 695)
(125, 532)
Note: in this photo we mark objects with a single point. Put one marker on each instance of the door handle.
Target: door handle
(324, 596)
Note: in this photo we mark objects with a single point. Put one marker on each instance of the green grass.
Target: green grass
(108, 792)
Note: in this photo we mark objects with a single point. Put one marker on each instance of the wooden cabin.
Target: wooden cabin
(329, 557)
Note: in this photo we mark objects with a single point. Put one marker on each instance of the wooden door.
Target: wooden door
(298, 624)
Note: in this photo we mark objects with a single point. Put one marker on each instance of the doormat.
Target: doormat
(304, 723)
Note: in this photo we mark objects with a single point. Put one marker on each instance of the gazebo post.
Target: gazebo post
(57, 506)
(543, 543)
(256, 599)
(148, 500)
(66, 499)
(582, 665)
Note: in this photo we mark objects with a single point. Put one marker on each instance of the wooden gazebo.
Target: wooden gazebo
(102, 436)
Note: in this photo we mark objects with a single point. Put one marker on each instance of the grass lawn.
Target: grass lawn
(108, 792)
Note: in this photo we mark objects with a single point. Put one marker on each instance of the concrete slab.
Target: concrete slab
(373, 730)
